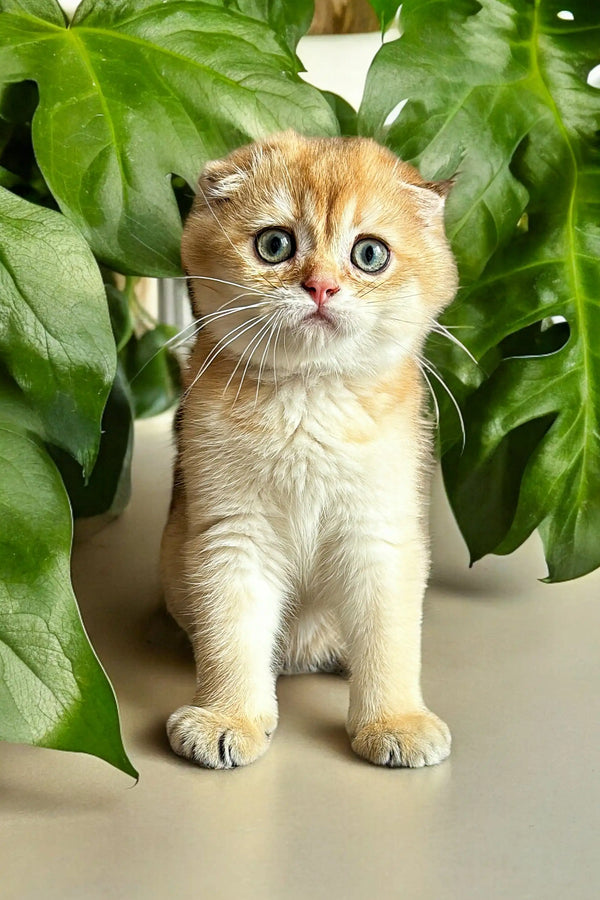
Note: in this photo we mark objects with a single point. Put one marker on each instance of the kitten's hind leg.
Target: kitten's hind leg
(171, 552)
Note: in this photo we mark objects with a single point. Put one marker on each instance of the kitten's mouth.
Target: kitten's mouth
(322, 316)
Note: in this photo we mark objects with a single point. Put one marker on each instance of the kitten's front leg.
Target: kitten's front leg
(232, 612)
(381, 610)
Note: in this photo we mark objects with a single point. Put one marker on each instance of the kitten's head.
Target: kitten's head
(334, 249)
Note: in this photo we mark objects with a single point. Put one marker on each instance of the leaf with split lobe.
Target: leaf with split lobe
(514, 114)
(385, 10)
(469, 107)
(135, 91)
(55, 334)
(53, 691)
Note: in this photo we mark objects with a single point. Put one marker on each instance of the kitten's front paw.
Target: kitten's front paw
(414, 740)
(215, 740)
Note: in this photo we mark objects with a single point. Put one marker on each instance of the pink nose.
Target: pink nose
(321, 289)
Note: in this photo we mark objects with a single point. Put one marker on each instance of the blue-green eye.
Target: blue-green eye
(370, 255)
(275, 245)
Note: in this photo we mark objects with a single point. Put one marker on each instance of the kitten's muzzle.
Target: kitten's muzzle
(320, 289)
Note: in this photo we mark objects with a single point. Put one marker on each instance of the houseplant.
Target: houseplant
(104, 125)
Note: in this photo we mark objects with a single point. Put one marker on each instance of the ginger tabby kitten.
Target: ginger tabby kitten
(297, 538)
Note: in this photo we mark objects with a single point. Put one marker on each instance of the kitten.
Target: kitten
(296, 540)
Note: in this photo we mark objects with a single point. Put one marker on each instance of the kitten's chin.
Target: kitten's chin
(319, 335)
(321, 347)
(321, 318)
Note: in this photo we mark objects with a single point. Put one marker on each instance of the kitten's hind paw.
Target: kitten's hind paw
(216, 741)
(412, 740)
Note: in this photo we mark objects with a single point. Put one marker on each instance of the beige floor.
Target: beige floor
(511, 664)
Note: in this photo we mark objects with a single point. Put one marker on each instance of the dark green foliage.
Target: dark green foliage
(498, 91)
(152, 371)
(133, 93)
(53, 691)
(386, 11)
(55, 336)
(110, 119)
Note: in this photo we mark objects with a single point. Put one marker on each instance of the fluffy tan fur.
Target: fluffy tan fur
(297, 538)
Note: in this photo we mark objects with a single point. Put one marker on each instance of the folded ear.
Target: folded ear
(220, 179)
(430, 197)
(441, 188)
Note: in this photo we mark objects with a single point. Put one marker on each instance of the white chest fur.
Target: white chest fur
(302, 455)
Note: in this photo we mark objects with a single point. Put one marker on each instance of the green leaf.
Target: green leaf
(136, 91)
(386, 11)
(55, 335)
(344, 113)
(50, 10)
(288, 18)
(109, 487)
(53, 691)
(515, 114)
(18, 102)
(485, 492)
(472, 119)
(152, 370)
(18, 168)
(120, 315)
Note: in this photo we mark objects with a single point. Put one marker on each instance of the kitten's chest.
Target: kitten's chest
(308, 442)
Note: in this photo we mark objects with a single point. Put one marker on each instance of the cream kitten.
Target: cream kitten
(297, 538)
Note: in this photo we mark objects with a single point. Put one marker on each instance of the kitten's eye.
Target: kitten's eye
(275, 245)
(370, 255)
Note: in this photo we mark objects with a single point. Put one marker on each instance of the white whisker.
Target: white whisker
(281, 319)
(221, 345)
(233, 300)
(262, 359)
(432, 371)
(241, 356)
(252, 346)
(174, 342)
(443, 331)
(198, 324)
(228, 339)
(220, 281)
(285, 349)
(205, 321)
(221, 313)
(432, 393)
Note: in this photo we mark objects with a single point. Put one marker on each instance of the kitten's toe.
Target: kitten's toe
(216, 741)
(413, 740)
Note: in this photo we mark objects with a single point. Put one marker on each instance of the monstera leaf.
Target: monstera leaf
(386, 11)
(290, 19)
(498, 92)
(135, 92)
